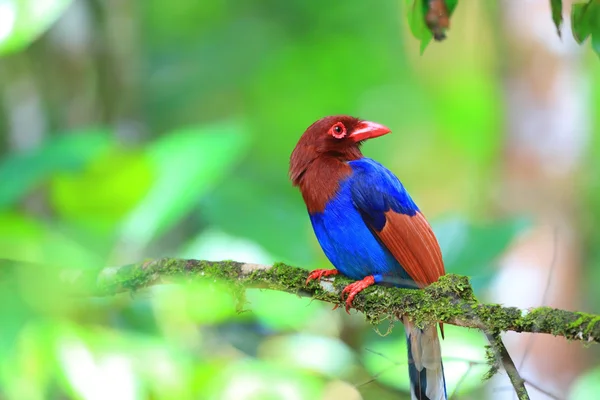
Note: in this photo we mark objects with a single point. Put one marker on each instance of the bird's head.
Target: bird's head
(338, 136)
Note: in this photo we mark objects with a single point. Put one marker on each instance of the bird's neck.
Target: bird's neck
(320, 181)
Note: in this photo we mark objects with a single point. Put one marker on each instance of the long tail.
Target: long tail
(425, 367)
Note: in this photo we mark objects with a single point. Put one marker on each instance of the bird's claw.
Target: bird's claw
(320, 273)
(351, 290)
(354, 288)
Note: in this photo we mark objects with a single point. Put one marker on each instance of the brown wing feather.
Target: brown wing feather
(413, 243)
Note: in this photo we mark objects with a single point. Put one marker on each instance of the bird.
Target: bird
(370, 229)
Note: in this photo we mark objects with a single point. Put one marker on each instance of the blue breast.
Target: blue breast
(347, 241)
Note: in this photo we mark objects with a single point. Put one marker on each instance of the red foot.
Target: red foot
(353, 289)
(320, 273)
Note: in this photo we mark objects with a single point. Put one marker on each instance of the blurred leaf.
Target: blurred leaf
(21, 172)
(586, 386)
(472, 249)
(281, 311)
(99, 364)
(451, 4)
(15, 313)
(256, 205)
(250, 380)
(585, 21)
(29, 374)
(388, 358)
(30, 240)
(108, 188)
(557, 17)
(193, 303)
(95, 362)
(187, 163)
(416, 12)
(416, 21)
(321, 354)
(28, 293)
(22, 21)
(183, 87)
(137, 315)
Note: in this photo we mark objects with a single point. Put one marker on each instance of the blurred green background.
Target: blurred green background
(140, 129)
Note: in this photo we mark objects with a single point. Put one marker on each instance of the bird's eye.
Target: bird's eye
(338, 130)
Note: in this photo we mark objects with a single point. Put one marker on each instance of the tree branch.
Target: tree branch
(501, 356)
(450, 300)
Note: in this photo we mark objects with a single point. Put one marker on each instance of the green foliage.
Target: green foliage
(280, 311)
(28, 239)
(416, 14)
(90, 193)
(22, 21)
(416, 10)
(585, 21)
(186, 164)
(451, 5)
(557, 18)
(22, 172)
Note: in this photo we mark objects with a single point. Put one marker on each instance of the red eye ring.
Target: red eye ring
(338, 130)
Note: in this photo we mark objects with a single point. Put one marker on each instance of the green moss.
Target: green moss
(172, 267)
(504, 318)
(132, 277)
(591, 324)
(288, 276)
(227, 269)
(584, 324)
(554, 320)
(451, 283)
(576, 325)
(492, 362)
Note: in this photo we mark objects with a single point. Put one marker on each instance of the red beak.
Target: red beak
(368, 130)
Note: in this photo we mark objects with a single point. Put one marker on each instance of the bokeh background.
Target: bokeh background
(140, 129)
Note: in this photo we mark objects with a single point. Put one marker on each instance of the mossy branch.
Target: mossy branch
(450, 300)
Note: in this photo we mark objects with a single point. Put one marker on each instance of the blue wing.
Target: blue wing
(375, 191)
(396, 221)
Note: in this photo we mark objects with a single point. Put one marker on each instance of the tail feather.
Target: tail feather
(425, 367)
